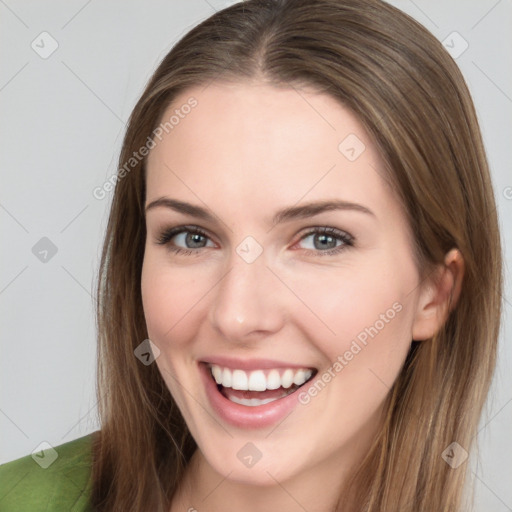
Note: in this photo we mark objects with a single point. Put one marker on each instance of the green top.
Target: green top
(54, 479)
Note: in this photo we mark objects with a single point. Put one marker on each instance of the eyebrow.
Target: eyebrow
(285, 215)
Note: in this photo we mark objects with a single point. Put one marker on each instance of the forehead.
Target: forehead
(252, 144)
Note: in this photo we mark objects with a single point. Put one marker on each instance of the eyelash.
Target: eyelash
(167, 235)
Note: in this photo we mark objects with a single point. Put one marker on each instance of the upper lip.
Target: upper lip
(252, 364)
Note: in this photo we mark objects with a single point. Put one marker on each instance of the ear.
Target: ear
(438, 296)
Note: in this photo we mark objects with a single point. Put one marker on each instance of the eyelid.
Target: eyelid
(329, 230)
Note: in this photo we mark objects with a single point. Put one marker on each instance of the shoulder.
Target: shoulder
(54, 479)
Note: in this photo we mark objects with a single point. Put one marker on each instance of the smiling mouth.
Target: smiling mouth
(259, 387)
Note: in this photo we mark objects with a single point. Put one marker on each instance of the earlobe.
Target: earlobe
(439, 296)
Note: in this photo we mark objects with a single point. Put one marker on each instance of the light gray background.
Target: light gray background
(62, 121)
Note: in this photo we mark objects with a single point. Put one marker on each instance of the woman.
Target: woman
(304, 227)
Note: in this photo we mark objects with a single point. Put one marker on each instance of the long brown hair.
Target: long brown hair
(412, 99)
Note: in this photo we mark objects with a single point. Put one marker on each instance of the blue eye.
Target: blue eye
(327, 241)
(189, 240)
(191, 237)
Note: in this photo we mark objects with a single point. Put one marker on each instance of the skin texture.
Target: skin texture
(246, 151)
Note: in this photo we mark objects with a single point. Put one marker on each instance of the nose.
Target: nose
(247, 303)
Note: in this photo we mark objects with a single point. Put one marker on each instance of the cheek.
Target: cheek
(363, 315)
(170, 297)
(370, 313)
(337, 305)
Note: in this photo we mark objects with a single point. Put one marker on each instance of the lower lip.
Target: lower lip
(243, 416)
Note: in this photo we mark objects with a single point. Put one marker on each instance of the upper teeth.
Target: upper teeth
(259, 380)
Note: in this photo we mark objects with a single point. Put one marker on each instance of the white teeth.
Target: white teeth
(257, 380)
(287, 378)
(298, 378)
(217, 374)
(240, 380)
(251, 402)
(226, 378)
(273, 380)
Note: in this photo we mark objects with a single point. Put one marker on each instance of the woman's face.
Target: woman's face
(289, 258)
